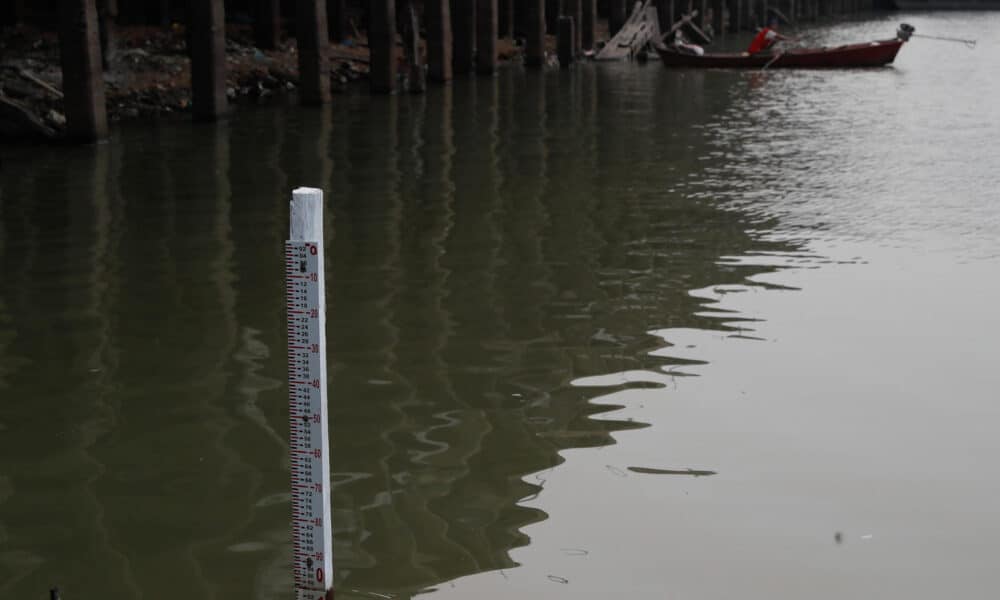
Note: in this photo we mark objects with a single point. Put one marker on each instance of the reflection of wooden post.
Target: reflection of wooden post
(314, 68)
(83, 77)
(382, 44)
(208, 59)
(588, 18)
(534, 47)
(565, 43)
(439, 39)
(486, 36)
(267, 24)
(616, 16)
(463, 27)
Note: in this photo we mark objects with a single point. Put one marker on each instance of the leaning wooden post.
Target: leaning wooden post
(309, 437)
(534, 45)
(382, 45)
(588, 20)
(486, 36)
(463, 27)
(83, 76)
(437, 13)
(313, 44)
(564, 42)
(208, 59)
(415, 79)
(267, 24)
(616, 16)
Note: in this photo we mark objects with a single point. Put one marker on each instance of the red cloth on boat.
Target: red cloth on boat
(764, 39)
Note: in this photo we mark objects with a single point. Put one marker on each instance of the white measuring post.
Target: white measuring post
(312, 539)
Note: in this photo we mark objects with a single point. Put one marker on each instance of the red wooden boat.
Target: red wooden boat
(869, 54)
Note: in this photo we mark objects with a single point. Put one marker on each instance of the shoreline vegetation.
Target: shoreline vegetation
(148, 74)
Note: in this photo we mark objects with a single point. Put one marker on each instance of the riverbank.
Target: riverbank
(148, 75)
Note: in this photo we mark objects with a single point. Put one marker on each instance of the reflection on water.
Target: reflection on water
(490, 243)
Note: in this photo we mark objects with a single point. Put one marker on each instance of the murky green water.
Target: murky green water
(535, 282)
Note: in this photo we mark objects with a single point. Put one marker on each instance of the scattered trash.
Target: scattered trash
(558, 579)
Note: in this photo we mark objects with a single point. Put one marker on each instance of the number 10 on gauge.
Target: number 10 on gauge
(309, 442)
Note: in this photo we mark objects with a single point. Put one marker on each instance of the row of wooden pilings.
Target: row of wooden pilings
(461, 38)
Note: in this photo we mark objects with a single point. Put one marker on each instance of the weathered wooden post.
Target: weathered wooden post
(267, 24)
(486, 36)
(574, 10)
(336, 14)
(208, 59)
(309, 439)
(735, 15)
(415, 81)
(382, 45)
(718, 13)
(588, 20)
(83, 76)
(439, 39)
(505, 24)
(313, 44)
(107, 17)
(565, 43)
(534, 46)
(463, 29)
(616, 16)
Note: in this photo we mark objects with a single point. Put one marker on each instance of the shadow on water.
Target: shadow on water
(489, 243)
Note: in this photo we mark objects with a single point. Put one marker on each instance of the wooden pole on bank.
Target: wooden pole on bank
(564, 42)
(463, 27)
(588, 20)
(616, 16)
(267, 24)
(486, 36)
(313, 42)
(505, 24)
(437, 13)
(336, 13)
(208, 59)
(574, 10)
(718, 14)
(83, 75)
(534, 44)
(107, 17)
(382, 45)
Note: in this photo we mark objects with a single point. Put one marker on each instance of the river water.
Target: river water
(548, 294)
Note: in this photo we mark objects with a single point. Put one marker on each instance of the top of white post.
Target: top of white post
(306, 215)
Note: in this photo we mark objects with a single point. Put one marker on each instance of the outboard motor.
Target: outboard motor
(905, 31)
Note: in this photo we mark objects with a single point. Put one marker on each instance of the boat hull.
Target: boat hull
(869, 54)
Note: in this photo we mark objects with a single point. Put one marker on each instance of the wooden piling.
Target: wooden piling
(107, 18)
(565, 42)
(735, 15)
(616, 16)
(534, 46)
(382, 46)
(267, 24)
(463, 28)
(486, 36)
(208, 59)
(588, 21)
(718, 14)
(437, 13)
(336, 14)
(505, 24)
(574, 10)
(313, 43)
(415, 80)
(83, 76)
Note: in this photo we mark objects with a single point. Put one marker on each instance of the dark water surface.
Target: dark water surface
(549, 296)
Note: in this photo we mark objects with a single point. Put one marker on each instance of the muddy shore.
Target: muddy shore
(148, 75)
